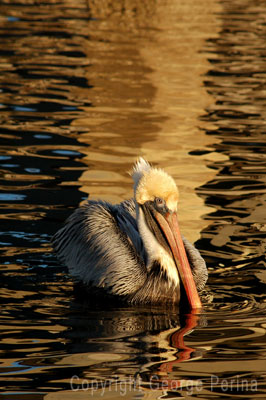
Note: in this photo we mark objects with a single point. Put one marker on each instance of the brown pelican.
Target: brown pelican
(134, 250)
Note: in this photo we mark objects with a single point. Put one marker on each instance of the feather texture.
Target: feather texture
(112, 248)
(101, 246)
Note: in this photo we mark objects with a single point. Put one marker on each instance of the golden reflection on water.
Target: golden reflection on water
(147, 69)
(164, 351)
(141, 67)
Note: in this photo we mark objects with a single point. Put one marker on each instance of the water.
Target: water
(86, 87)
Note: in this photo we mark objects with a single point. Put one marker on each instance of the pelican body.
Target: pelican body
(134, 251)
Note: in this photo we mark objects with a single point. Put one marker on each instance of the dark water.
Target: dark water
(85, 87)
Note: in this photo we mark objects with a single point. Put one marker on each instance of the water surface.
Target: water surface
(85, 88)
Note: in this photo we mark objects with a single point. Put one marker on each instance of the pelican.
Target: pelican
(133, 251)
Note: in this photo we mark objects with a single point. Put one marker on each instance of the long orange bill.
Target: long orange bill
(170, 227)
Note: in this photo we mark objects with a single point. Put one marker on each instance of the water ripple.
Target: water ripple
(84, 90)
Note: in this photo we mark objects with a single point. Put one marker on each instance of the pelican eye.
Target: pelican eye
(159, 202)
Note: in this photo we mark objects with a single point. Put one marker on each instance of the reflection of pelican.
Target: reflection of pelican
(134, 250)
(169, 344)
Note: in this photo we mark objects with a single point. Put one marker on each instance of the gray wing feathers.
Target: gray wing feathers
(127, 222)
(96, 249)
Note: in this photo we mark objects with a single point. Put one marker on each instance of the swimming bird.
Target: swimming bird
(133, 250)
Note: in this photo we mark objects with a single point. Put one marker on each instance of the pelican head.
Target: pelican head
(156, 196)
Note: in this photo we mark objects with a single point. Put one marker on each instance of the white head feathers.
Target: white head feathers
(138, 171)
(152, 182)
